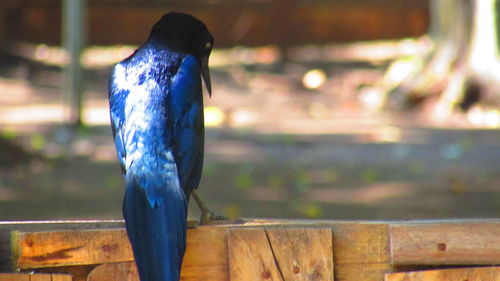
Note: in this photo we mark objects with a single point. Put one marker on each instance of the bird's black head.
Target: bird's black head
(183, 33)
(186, 34)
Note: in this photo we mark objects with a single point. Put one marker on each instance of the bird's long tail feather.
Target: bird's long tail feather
(156, 231)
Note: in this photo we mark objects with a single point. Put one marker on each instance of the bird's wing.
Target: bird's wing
(118, 92)
(187, 107)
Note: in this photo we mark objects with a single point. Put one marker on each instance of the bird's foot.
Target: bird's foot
(207, 216)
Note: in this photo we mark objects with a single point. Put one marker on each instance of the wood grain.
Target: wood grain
(206, 255)
(355, 243)
(34, 277)
(14, 277)
(271, 250)
(251, 257)
(41, 277)
(62, 277)
(446, 243)
(61, 248)
(205, 258)
(302, 254)
(122, 271)
(361, 272)
(460, 274)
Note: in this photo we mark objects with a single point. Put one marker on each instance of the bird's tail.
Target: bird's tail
(156, 227)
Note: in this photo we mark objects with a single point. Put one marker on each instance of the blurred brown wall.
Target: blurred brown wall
(232, 22)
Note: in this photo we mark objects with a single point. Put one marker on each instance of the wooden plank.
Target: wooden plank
(6, 227)
(446, 243)
(122, 271)
(251, 256)
(465, 274)
(302, 254)
(355, 243)
(206, 254)
(41, 277)
(364, 272)
(34, 277)
(205, 259)
(60, 248)
(69, 248)
(14, 277)
(62, 277)
(77, 273)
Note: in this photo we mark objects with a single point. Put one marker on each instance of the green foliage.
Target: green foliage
(243, 181)
(8, 134)
(232, 210)
(369, 175)
(37, 141)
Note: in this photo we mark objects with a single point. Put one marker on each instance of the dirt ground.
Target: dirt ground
(280, 151)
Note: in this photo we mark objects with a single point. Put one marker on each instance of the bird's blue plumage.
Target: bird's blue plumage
(156, 108)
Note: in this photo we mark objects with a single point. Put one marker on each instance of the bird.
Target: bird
(156, 111)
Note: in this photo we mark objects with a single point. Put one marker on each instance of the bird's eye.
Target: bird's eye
(208, 45)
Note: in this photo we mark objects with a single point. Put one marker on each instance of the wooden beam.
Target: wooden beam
(276, 249)
(37, 226)
(472, 273)
(63, 248)
(123, 271)
(457, 243)
(280, 253)
(206, 254)
(361, 242)
(34, 277)
(259, 262)
(364, 272)
(302, 253)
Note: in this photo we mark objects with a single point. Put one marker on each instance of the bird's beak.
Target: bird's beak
(205, 74)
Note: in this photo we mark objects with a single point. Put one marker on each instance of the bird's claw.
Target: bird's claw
(209, 217)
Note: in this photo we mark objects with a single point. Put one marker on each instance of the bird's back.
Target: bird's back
(156, 110)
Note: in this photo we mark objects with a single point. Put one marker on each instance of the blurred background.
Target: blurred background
(342, 109)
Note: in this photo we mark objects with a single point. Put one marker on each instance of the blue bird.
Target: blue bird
(156, 108)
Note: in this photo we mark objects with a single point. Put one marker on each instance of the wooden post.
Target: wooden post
(73, 40)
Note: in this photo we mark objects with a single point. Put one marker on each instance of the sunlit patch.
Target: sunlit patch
(34, 114)
(314, 79)
(441, 112)
(240, 55)
(372, 98)
(97, 56)
(483, 117)
(492, 118)
(388, 134)
(214, 116)
(475, 116)
(401, 69)
(95, 115)
(242, 117)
